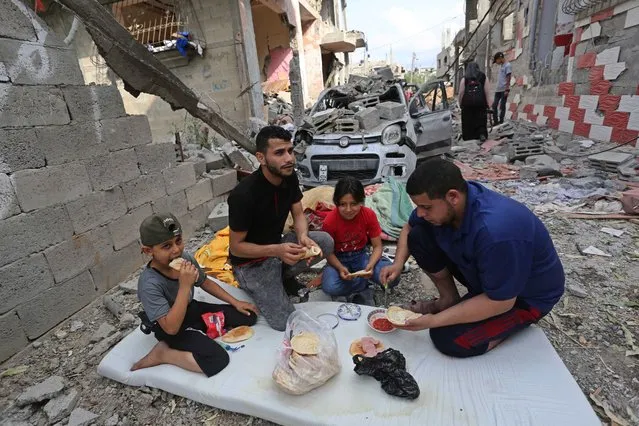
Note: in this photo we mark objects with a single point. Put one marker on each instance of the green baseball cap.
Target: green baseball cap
(158, 228)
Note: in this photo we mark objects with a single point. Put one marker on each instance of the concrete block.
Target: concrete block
(37, 64)
(94, 102)
(126, 229)
(178, 178)
(219, 217)
(391, 110)
(144, 190)
(11, 335)
(237, 157)
(153, 158)
(23, 279)
(15, 23)
(223, 181)
(199, 193)
(64, 144)
(608, 56)
(194, 219)
(19, 150)
(174, 203)
(29, 233)
(109, 272)
(126, 132)
(81, 417)
(110, 170)
(213, 160)
(42, 391)
(56, 304)
(199, 165)
(25, 106)
(38, 188)
(632, 18)
(96, 209)
(60, 407)
(8, 201)
(629, 103)
(613, 71)
(368, 118)
(73, 256)
(104, 331)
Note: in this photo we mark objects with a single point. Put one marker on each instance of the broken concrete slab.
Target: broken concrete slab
(223, 181)
(105, 344)
(76, 325)
(213, 160)
(129, 287)
(368, 118)
(391, 110)
(112, 306)
(237, 157)
(104, 331)
(61, 406)
(81, 417)
(219, 217)
(42, 391)
(577, 290)
(127, 320)
(542, 161)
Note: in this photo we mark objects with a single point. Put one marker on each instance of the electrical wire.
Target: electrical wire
(552, 151)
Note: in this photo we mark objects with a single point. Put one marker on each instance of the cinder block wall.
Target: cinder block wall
(77, 176)
(590, 84)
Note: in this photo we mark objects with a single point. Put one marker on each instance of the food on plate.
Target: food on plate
(382, 324)
(361, 273)
(306, 343)
(238, 334)
(312, 252)
(366, 346)
(399, 316)
(176, 263)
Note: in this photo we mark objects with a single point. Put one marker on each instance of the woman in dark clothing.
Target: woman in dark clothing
(473, 100)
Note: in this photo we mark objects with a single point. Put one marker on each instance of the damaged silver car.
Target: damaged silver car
(372, 129)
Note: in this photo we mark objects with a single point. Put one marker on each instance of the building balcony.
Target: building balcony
(343, 41)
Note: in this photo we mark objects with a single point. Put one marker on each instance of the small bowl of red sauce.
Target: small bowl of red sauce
(377, 321)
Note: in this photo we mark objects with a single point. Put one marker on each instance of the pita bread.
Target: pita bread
(176, 263)
(312, 252)
(399, 316)
(306, 343)
(356, 347)
(238, 334)
(361, 273)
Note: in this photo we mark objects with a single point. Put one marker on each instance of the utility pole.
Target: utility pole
(390, 62)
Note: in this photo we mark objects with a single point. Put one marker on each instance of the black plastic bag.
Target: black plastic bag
(388, 368)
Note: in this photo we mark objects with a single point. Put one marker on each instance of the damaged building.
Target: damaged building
(228, 52)
(575, 64)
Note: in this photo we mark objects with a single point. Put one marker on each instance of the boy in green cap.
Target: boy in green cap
(167, 298)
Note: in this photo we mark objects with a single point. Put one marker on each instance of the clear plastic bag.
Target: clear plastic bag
(298, 374)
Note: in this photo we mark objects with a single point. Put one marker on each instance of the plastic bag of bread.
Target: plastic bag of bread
(307, 357)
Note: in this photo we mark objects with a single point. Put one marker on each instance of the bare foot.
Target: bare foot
(153, 358)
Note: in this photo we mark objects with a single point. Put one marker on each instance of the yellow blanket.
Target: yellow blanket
(213, 257)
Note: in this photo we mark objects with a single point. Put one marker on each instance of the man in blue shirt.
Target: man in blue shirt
(503, 87)
(493, 245)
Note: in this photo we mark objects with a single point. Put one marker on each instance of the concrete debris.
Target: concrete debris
(214, 160)
(75, 326)
(630, 201)
(368, 118)
(127, 320)
(42, 391)
(629, 171)
(61, 406)
(104, 331)
(112, 421)
(520, 150)
(105, 344)
(112, 306)
(577, 290)
(238, 158)
(587, 143)
(219, 217)
(129, 287)
(612, 231)
(609, 161)
(61, 334)
(592, 250)
(81, 417)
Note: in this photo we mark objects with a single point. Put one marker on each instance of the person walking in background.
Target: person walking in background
(503, 87)
(473, 100)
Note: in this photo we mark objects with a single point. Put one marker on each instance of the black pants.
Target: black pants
(474, 122)
(209, 355)
(500, 100)
(470, 339)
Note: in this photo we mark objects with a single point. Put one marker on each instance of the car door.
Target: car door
(431, 117)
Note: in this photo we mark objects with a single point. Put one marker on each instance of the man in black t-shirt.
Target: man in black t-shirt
(265, 263)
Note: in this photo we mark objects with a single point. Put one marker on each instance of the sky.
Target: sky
(406, 25)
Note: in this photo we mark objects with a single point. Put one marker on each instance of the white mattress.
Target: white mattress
(522, 382)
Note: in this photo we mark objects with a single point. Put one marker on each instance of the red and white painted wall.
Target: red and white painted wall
(596, 58)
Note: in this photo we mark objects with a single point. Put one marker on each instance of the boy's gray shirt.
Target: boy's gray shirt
(158, 292)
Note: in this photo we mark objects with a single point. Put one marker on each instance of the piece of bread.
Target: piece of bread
(176, 263)
(357, 349)
(361, 273)
(305, 343)
(238, 334)
(399, 316)
(312, 252)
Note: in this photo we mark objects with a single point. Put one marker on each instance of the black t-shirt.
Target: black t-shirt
(260, 208)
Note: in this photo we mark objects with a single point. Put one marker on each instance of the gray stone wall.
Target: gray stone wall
(77, 176)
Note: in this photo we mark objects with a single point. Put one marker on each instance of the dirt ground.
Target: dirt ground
(594, 328)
